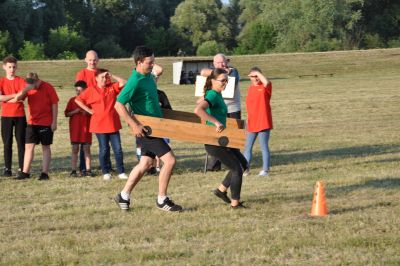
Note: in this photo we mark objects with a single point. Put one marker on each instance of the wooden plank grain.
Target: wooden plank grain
(191, 117)
(193, 132)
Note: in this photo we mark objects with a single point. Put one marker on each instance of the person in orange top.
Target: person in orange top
(42, 122)
(259, 117)
(79, 134)
(88, 75)
(12, 114)
(99, 102)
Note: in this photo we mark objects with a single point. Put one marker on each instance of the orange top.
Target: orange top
(78, 123)
(259, 116)
(105, 118)
(40, 101)
(88, 76)
(8, 87)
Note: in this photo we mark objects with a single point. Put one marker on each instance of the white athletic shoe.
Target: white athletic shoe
(247, 172)
(107, 177)
(263, 173)
(123, 176)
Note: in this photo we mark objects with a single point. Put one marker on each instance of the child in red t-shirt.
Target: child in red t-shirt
(79, 121)
(42, 122)
(12, 114)
(99, 101)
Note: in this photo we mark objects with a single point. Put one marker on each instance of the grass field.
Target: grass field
(342, 128)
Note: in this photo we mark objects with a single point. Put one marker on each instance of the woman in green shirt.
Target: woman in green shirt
(212, 108)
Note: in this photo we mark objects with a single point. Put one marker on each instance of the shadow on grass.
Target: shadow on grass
(360, 208)
(386, 183)
(284, 158)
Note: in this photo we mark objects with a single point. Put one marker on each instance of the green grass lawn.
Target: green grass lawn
(342, 128)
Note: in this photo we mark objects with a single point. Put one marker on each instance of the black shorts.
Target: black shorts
(39, 134)
(153, 147)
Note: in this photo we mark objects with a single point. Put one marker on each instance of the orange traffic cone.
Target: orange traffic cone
(319, 202)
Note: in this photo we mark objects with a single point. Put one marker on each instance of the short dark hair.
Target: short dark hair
(80, 83)
(9, 59)
(255, 69)
(141, 52)
(100, 71)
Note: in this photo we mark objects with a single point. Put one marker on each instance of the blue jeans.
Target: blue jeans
(264, 139)
(104, 151)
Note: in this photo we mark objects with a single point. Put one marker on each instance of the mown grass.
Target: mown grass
(342, 129)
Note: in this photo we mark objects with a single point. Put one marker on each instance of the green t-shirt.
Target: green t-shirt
(217, 107)
(140, 92)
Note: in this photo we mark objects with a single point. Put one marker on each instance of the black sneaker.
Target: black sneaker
(7, 172)
(43, 176)
(169, 206)
(239, 206)
(87, 173)
(21, 175)
(122, 204)
(73, 174)
(152, 171)
(222, 195)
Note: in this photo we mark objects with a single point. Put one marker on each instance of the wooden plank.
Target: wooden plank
(191, 117)
(193, 132)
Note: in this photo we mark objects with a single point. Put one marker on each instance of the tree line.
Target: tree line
(65, 29)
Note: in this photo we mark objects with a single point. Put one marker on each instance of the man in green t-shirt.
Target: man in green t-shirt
(140, 93)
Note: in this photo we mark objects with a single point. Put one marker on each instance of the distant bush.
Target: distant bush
(394, 43)
(64, 39)
(210, 48)
(371, 41)
(32, 51)
(67, 55)
(108, 48)
(5, 43)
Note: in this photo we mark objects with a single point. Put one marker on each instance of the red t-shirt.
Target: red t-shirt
(105, 118)
(89, 76)
(259, 116)
(78, 124)
(40, 101)
(8, 87)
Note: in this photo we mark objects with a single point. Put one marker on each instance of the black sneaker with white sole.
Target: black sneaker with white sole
(122, 204)
(169, 206)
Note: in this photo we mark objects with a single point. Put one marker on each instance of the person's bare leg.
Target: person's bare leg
(28, 157)
(46, 158)
(169, 162)
(74, 156)
(88, 159)
(137, 173)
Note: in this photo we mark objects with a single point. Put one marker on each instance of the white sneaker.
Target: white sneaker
(123, 176)
(247, 172)
(263, 173)
(107, 177)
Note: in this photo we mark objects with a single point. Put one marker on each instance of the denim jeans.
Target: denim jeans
(104, 151)
(264, 139)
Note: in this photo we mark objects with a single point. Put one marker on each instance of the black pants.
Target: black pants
(8, 125)
(213, 164)
(235, 162)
